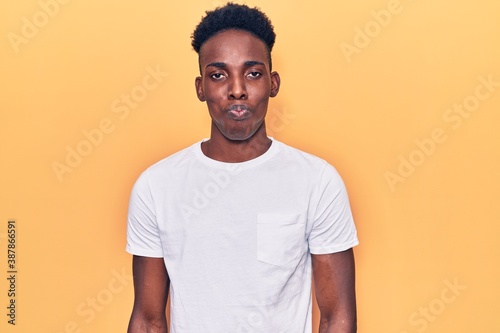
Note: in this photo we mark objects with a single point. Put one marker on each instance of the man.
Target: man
(234, 226)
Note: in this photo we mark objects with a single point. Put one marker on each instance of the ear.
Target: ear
(199, 89)
(275, 84)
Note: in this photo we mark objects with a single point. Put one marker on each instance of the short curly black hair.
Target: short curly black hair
(234, 16)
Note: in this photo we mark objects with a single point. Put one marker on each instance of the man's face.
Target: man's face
(236, 83)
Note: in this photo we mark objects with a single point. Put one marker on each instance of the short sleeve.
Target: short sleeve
(333, 228)
(143, 236)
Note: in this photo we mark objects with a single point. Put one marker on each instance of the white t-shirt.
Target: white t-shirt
(237, 237)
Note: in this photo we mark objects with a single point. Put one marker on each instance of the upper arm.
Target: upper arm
(151, 284)
(334, 282)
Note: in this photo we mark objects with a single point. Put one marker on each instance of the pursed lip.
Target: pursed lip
(238, 112)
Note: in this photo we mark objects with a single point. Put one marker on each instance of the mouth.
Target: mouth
(238, 112)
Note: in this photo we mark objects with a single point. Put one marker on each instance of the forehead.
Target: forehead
(233, 47)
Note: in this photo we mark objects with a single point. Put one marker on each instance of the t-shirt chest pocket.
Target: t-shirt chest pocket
(280, 237)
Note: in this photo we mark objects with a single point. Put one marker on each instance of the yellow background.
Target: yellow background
(362, 110)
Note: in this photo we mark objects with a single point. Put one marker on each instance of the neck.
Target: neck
(220, 148)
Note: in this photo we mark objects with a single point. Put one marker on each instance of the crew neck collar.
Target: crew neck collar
(271, 151)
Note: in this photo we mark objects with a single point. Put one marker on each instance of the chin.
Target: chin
(239, 131)
(238, 135)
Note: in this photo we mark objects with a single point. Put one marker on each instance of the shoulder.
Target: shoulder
(167, 168)
(306, 161)
(175, 160)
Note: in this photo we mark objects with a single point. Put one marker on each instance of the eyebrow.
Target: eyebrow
(217, 64)
(248, 63)
(251, 63)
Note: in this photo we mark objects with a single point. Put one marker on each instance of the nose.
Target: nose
(237, 89)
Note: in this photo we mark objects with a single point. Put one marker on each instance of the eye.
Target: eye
(217, 76)
(254, 75)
